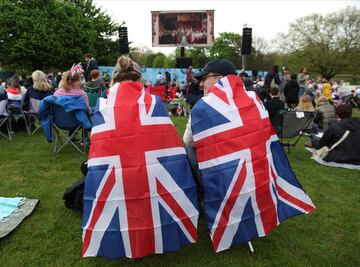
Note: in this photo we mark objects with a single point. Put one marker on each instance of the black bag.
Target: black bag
(74, 195)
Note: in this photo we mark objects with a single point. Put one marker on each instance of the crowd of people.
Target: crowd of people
(319, 95)
(278, 91)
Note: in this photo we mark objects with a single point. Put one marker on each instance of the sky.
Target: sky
(266, 18)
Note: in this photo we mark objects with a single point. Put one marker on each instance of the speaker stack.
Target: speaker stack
(246, 41)
(123, 40)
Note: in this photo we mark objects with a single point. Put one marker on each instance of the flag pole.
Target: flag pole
(251, 248)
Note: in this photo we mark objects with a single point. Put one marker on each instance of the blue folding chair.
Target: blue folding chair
(4, 117)
(67, 121)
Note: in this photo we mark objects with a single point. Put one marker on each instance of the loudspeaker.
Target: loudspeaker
(123, 40)
(246, 41)
(183, 62)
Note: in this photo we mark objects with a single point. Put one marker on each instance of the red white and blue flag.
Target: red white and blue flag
(140, 196)
(249, 187)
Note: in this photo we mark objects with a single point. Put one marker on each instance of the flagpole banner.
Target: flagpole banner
(249, 187)
(140, 196)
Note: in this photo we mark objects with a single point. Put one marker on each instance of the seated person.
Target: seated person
(14, 90)
(325, 113)
(306, 105)
(348, 151)
(95, 82)
(40, 89)
(70, 86)
(273, 106)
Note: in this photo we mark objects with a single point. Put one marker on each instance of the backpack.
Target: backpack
(73, 195)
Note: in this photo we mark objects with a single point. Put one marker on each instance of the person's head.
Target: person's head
(274, 92)
(40, 81)
(322, 99)
(94, 75)
(304, 70)
(293, 77)
(15, 82)
(275, 68)
(72, 77)
(87, 57)
(127, 70)
(213, 71)
(343, 111)
(305, 103)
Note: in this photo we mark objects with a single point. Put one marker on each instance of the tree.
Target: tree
(45, 34)
(228, 46)
(200, 56)
(326, 44)
(106, 46)
(159, 61)
(140, 55)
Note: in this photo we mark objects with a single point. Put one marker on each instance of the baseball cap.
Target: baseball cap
(220, 66)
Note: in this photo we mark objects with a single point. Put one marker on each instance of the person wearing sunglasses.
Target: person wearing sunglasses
(208, 77)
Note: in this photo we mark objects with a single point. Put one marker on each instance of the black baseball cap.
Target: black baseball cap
(220, 66)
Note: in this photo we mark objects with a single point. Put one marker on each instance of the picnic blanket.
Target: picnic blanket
(20, 209)
(331, 164)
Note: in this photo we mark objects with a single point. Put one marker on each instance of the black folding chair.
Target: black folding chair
(61, 121)
(292, 127)
(15, 110)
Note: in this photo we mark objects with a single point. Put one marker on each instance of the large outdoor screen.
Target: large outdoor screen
(183, 28)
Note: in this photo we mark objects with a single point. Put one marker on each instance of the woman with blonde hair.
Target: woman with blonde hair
(305, 104)
(71, 86)
(37, 92)
(126, 70)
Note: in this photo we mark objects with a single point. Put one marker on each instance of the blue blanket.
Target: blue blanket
(9, 205)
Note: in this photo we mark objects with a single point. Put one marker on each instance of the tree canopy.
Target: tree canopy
(48, 34)
(326, 44)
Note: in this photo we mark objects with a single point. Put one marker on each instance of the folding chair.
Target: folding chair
(15, 110)
(32, 115)
(93, 94)
(61, 121)
(4, 118)
(292, 127)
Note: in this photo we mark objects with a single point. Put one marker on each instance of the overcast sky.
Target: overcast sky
(267, 18)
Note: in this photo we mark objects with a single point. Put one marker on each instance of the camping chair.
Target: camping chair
(93, 94)
(4, 118)
(292, 127)
(61, 121)
(15, 110)
(32, 115)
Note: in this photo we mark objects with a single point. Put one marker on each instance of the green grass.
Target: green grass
(51, 236)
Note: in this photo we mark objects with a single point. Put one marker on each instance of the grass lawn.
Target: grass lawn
(51, 236)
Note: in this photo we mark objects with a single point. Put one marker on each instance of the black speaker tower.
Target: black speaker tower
(246, 41)
(123, 40)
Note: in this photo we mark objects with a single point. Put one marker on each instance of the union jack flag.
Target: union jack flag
(249, 187)
(140, 196)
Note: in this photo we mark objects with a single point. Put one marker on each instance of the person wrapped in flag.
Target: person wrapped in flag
(140, 196)
(249, 187)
